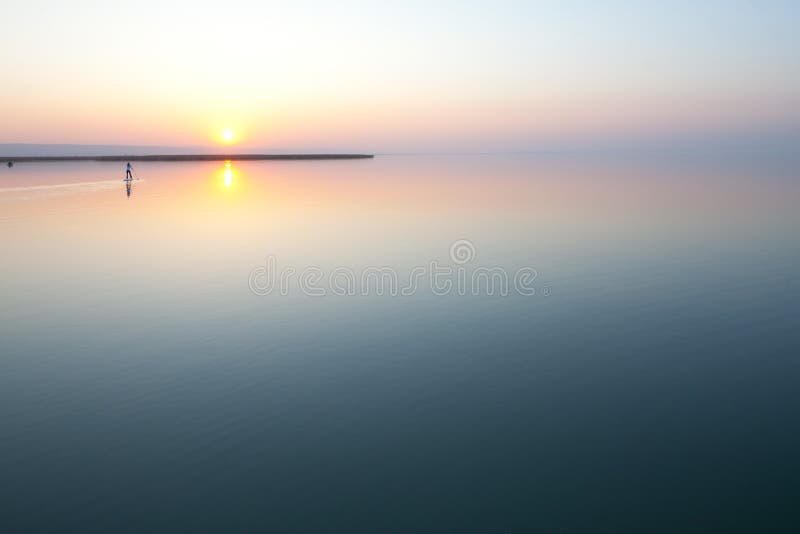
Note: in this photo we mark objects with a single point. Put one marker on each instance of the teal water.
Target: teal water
(650, 383)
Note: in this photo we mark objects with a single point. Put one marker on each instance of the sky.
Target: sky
(400, 76)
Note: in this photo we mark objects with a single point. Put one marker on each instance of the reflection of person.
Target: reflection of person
(128, 187)
(128, 171)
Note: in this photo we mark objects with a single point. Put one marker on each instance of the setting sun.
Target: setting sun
(227, 135)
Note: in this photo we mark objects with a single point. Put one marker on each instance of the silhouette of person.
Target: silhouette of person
(128, 174)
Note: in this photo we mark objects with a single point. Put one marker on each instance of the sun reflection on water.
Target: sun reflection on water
(227, 175)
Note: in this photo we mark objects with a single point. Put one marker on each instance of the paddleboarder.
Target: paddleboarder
(128, 175)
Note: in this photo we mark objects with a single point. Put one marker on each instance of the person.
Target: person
(128, 175)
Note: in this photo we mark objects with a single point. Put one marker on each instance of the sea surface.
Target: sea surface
(643, 377)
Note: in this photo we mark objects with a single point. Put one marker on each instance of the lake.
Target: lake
(550, 343)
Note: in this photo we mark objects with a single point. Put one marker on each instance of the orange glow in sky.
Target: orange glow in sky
(474, 78)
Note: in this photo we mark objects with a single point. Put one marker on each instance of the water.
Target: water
(649, 384)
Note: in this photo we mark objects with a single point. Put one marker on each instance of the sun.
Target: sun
(227, 135)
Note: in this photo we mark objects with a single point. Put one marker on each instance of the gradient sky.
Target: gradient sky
(410, 76)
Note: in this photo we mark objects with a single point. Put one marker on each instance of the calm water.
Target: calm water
(651, 383)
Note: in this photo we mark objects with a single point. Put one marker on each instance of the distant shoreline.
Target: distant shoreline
(189, 157)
